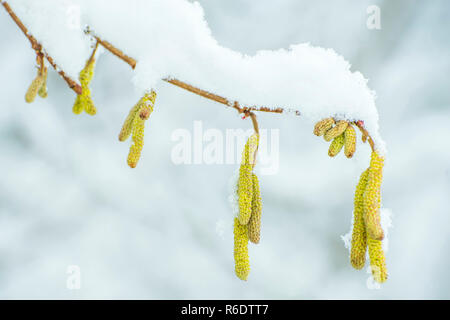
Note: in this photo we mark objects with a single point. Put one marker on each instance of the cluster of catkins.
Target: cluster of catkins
(83, 101)
(38, 86)
(342, 133)
(247, 225)
(134, 123)
(367, 231)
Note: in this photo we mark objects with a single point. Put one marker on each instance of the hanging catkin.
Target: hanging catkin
(135, 124)
(245, 182)
(241, 259)
(84, 102)
(372, 198)
(34, 87)
(323, 126)
(359, 236)
(336, 146)
(254, 224)
(350, 141)
(337, 130)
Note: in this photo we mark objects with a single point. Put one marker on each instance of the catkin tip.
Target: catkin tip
(34, 88)
(241, 258)
(350, 141)
(336, 146)
(359, 236)
(337, 130)
(323, 126)
(254, 224)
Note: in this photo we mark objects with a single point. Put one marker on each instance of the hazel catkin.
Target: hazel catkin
(84, 101)
(241, 259)
(323, 126)
(245, 182)
(33, 89)
(350, 141)
(337, 130)
(336, 145)
(359, 235)
(135, 124)
(138, 142)
(372, 198)
(254, 224)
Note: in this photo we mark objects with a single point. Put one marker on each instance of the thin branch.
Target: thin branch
(117, 52)
(212, 96)
(39, 50)
(365, 133)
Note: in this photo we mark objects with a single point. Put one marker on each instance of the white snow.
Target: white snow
(170, 38)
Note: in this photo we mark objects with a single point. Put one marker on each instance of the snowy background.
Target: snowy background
(164, 231)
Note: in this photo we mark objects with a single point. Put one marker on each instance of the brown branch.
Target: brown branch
(212, 96)
(117, 52)
(365, 133)
(39, 50)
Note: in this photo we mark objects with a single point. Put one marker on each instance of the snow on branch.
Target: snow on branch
(169, 40)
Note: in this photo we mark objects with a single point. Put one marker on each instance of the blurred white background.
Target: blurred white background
(163, 231)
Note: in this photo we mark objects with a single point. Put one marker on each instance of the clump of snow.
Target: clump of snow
(57, 26)
(171, 39)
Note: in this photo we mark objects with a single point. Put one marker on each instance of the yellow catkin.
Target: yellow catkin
(84, 100)
(254, 224)
(323, 126)
(377, 261)
(148, 103)
(372, 198)
(350, 141)
(245, 182)
(138, 142)
(135, 124)
(78, 105)
(336, 146)
(34, 88)
(43, 89)
(125, 132)
(337, 130)
(359, 236)
(241, 259)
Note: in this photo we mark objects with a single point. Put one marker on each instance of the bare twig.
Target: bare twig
(117, 52)
(212, 96)
(39, 50)
(360, 125)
